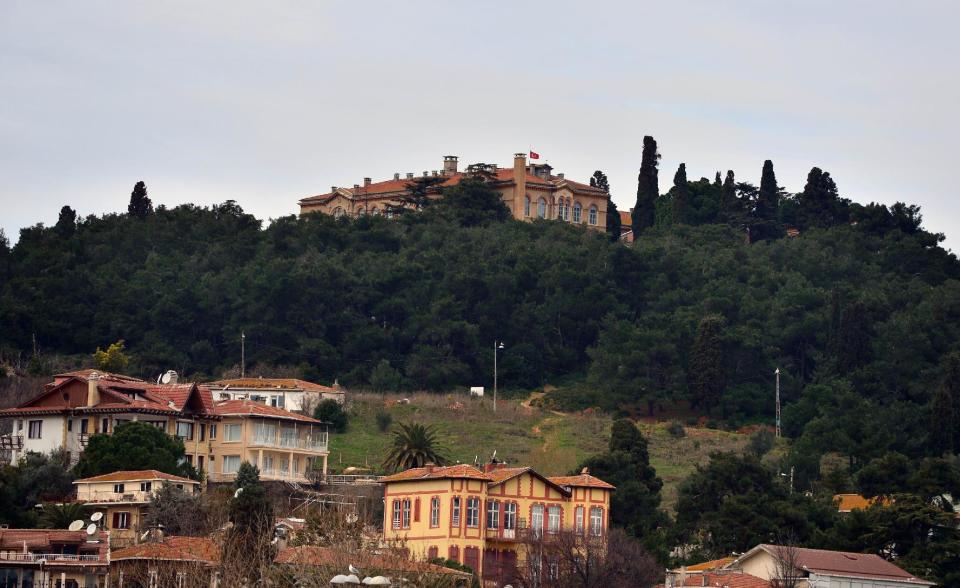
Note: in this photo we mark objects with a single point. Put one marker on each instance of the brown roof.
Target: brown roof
(198, 549)
(726, 579)
(251, 408)
(136, 475)
(272, 383)
(312, 555)
(850, 502)
(581, 481)
(843, 563)
(713, 564)
(438, 472)
(500, 475)
(43, 540)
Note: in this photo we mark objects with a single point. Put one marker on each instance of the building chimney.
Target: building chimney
(356, 188)
(560, 176)
(333, 188)
(429, 466)
(426, 174)
(409, 175)
(435, 173)
(449, 165)
(520, 184)
(396, 176)
(367, 181)
(93, 389)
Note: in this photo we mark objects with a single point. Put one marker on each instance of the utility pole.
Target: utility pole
(777, 372)
(496, 346)
(243, 364)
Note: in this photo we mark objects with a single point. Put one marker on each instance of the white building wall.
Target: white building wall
(51, 434)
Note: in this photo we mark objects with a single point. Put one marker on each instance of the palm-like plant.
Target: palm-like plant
(414, 446)
(59, 516)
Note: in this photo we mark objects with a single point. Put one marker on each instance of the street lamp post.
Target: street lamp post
(777, 372)
(497, 345)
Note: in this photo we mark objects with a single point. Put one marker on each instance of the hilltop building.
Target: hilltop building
(218, 436)
(287, 393)
(123, 498)
(481, 518)
(529, 191)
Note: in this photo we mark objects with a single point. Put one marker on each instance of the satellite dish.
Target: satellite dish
(76, 526)
(91, 529)
(237, 493)
(165, 378)
(95, 517)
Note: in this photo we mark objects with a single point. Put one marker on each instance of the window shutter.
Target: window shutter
(116, 520)
(416, 510)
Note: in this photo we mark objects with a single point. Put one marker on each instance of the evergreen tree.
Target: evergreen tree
(945, 420)
(707, 375)
(681, 195)
(134, 446)
(140, 205)
(599, 180)
(644, 212)
(384, 378)
(614, 228)
(67, 222)
(769, 200)
(252, 517)
(728, 197)
(853, 340)
(716, 180)
(331, 412)
(819, 205)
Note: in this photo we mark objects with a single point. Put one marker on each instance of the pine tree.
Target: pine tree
(819, 205)
(599, 180)
(644, 211)
(681, 195)
(945, 414)
(67, 222)
(853, 339)
(707, 374)
(140, 205)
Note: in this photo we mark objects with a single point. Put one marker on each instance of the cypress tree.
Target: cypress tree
(613, 220)
(681, 195)
(769, 200)
(643, 214)
(716, 180)
(728, 195)
(67, 222)
(707, 373)
(140, 205)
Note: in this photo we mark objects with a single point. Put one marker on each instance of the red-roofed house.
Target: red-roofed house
(816, 568)
(529, 191)
(481, 518)
(217, 436)
(174, 561)
(288, 393)
(50, 557)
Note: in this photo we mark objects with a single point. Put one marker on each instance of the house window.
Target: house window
(435, 511)
(536, 519)
(104, 426)
(396, 514)
(231, 463)
(70, 425)
(118, 488)
(510, 515)
(433, 552)
(493, 514)
(36, 429)
(471, 558)
(553, 519)
(453, 553)
(231, 432)
(596, 521)
(375, 211)
(121, 520)
(20, 425)
(406, 513)
(542, 208)
(203, 432)
(213, 432)
(578, 519)
(561, 210)
(185, 430)
(146, 486)
(473, 512)
(593, 215)
(577, 212)
(84, 423)
(337, 212)
(526, 206)
(455, 512)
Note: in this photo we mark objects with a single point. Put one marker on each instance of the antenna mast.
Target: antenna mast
(243, 370)
(777, 372)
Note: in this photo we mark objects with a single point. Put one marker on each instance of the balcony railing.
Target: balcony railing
(48, 557)
(103, 496)
(272, 474)
(318, 442)
(11, 442)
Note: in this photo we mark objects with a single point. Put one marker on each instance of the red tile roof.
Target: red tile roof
(438, 472)
(581, 481)
(843, 563)
(175, 548)
(271, 383)
(500, 475)
(850, 502)
(312, 555)
(726, 579)
(136, 475)
(713, 564)
(44, 540)
(251, 408)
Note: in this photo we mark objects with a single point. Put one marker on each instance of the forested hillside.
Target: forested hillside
(860, 314)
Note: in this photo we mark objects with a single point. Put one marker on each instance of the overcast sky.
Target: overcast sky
(267, 102)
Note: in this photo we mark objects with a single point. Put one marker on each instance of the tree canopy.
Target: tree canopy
(134, 446)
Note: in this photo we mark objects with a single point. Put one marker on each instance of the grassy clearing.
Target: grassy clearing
(553, 443)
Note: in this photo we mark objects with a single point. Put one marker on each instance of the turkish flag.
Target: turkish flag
(534, 155)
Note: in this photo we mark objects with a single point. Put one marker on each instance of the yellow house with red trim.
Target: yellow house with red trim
(481, 518)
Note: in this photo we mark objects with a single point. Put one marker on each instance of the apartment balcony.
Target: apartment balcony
(97, 497)
(316, 443)
(11, 442)
(506, 535)
(48, 557)
(270, 475)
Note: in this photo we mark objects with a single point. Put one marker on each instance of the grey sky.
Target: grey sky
(268, 102)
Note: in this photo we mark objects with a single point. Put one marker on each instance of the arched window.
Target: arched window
(526, 206)
(593, 214)
(362, 211)
(375, 211)
(337, 212)
(542, 208)
(577, 212)
(561, 210)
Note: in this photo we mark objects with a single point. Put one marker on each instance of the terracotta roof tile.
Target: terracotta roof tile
(714, 564)
(312, 555)
(725, 579)
(175, 548)
(271, 383)
(500, 475)
(251, 408)
(844, 563)
(136, 475)
(581, 481)
(437, 472)
(42, 540)
(849, 502)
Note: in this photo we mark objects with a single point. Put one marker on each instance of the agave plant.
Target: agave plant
(59, 516)
(414, 445)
